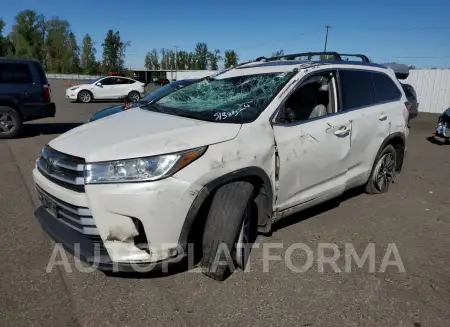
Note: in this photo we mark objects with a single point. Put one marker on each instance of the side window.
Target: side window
(313, 99)
(131, 81)
(15, 73)
(356, 89)
(385, 89)
(107, 81)
(121, 81)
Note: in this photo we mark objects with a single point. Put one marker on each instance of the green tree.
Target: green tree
(278, 53)
(231, 58)
(182, 57)
(74, 49)
(28, 35)
(152, 60)
(201, 55)
(164, 59)
(88, 62)
(213, 59)
(62, 51)
(191, 61)
(6, 48)
(114, 51)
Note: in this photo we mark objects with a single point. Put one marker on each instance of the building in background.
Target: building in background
(148, 76)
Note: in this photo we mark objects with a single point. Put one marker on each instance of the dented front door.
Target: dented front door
(312, 159)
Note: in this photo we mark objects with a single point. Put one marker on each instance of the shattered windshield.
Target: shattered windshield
(166, 89)
(239, 99)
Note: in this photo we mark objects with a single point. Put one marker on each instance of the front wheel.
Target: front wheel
(85, 96)
(10, 123)
(383, 172)
(228, 227)
(134, 96)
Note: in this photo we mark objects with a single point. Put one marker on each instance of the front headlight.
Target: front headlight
(140, 169)
(74, 88)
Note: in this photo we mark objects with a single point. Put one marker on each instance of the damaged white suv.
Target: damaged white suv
(216, 162)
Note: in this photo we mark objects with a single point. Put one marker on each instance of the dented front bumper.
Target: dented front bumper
(153, 212)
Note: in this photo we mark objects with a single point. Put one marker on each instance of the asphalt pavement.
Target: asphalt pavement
(413, 217)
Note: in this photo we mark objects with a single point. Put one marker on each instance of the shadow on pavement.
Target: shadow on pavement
(31, 130)
(437, 141)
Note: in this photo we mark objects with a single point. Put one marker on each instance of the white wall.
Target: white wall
(432, 87)
(183, 74)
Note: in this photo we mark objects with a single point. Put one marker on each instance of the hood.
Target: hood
(78, 86)
(107, 112)
(139, 133)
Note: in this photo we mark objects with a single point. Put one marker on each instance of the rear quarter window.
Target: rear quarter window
(409, 91)
(15, 73)
(385, 88)
(42, 77)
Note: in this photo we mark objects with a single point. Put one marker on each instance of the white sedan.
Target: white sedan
(107, 88)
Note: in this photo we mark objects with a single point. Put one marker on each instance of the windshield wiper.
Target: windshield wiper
(149, 105)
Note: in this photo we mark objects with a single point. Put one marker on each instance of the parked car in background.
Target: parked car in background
(158, 93)
(443, 126)
(208, 166)
(412, 99)
(107, 88)
(24, 95)
(161, 81)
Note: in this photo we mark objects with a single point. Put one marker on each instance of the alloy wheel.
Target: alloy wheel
(384, 172)
(6, 123)
(85, 97)
(134, 97)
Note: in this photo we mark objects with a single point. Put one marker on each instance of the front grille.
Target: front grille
(78, 218)
(62, 169)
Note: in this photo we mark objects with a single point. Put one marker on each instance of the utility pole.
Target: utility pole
(326, 38)
(176, 62)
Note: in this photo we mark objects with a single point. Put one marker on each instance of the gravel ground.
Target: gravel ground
(414, 216)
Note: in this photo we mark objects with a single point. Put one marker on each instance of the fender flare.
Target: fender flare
(388, 140)
(264, 213)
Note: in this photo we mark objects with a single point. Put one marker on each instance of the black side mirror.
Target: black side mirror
(286, 115)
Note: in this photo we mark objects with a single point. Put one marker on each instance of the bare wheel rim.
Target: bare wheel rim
(134, 97)
(243, 245)
(85, 97)
(384, 172)
(6, 123)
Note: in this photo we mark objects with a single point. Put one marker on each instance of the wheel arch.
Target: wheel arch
(398, 141)
(197, 212)
(85, 90)
(11, 104)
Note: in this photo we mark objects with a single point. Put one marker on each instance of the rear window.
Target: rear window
(15, 73)
(385, 89)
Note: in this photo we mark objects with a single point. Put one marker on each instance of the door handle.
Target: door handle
(342, 131)
(382, 117)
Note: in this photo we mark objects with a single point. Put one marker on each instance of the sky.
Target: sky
(406, 31)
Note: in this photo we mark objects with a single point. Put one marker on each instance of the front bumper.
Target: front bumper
(161, 207)
(72, 95)
(90, 251)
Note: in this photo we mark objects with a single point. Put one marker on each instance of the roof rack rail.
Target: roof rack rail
(364, 58)
(302, 54)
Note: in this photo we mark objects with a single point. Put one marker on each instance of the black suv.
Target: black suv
(24, 95)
